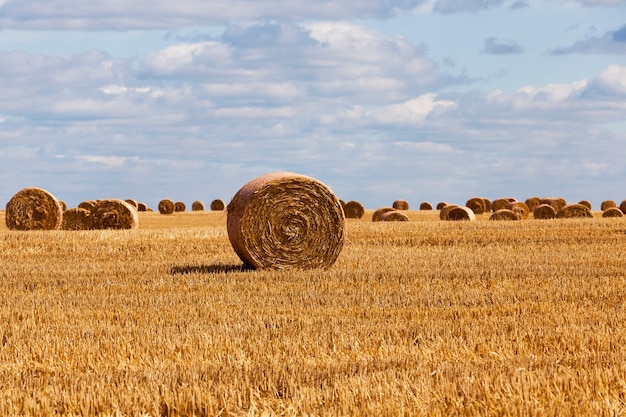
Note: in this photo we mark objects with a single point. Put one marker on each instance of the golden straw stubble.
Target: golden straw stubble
(33, 208)
(286, 220)
(114, 214)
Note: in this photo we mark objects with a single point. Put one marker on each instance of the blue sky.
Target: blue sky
(424, 100)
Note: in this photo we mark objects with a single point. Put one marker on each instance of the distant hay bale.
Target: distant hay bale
(500, 203)
(612, 212)
(585, 203)
(558, 203)
(179, 206)
(544, 212)
(443, 212)
(425, 205)
(76, 219)
(378, 213)
(217, 205)
(166, 206)
(441, 205)
(622, 206)
(607, 204)
(87, 204)
(573, 211)
(354, 210)
(476, 204)
(520, 209)
(33, 208)
(197, 206)
(142, 207)
(532, 202)
(487, 205)
(114, 214)
(286, 220)
(132, 203)
(394, 216)
(400, 205)
(455, 213)
(504, 214)
(63, 205)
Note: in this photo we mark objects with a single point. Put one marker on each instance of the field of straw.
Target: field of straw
(419, 318)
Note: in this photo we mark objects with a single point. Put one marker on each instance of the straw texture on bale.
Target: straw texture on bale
(558, 203)
(76, 219)
(400, 205)
(520, 209)
(544, 212)
(585, 203)
(394, 216)
(354, 210)
(426, 206)
(179, 206)
(378, 213)
(87, 204)
(622, 206)
(441, 205)
(500, 203)
(114, 214)
(63, 205)
(504, 214)
(461, 213)
(532, 202)
(476, 204)
(166, 206)
(217, 205)
(612, 212)
(573, 211)
(142, 207)
(286, 220)
(487, 205)
(197, 206)
(607, 204)
(33, 208)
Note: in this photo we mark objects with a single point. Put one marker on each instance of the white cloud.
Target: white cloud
(612, 80)
(110, 161)
(414, 111)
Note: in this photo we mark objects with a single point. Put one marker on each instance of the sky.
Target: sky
(421, 100)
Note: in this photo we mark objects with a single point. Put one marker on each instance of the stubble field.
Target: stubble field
(432, 318)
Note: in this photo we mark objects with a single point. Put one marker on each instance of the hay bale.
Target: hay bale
(400, 205)
(520, 209)
(166, 206)
(87, 204)
(378, 213)
(217, 205)
(607, 204)
(354, 210)
(286, 220)
(532, 202)
(544, 212)
(33, 208)
(132, 203)
(441, 205)
(197, 206)
(501, 203)
(76, 219)
(142, 207)
(114, 214)
(63, 205)
(425, 205)
(179, 206)
(443, 212)
(585, 203)
(573, 211)
(476, 204)
(487, 205)
(612, 212)
(394, 216)
(558, 203)
(622, 206)
(504, 214)
(460, 213)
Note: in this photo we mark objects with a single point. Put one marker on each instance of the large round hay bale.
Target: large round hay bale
(166, 206)
(197, 206)
(354, 210)
(400, 205)
(378, 213)
(33, 208)
(544, 212)
(476, 204)
(532, 202)
(76, 219)
(394, 216)
(607, 204)
(87, 204)
(460, 213)
(114, 214)
(504, 214)
(179, 206)
(500, 203)
(441, 205)
(612, 212)
(425, 205)
(520, 209)
(622, 206)
(573, 211)
(142, 207)
(217, 205)
(286, 220)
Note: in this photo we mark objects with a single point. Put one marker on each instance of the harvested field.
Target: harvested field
(419, 318)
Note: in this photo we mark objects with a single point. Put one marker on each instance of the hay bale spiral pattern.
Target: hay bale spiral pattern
(166, 206)
(354, 210)
(286, 220)
(217, 205)
(33, 208)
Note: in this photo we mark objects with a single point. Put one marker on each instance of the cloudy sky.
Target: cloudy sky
(425, 100)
